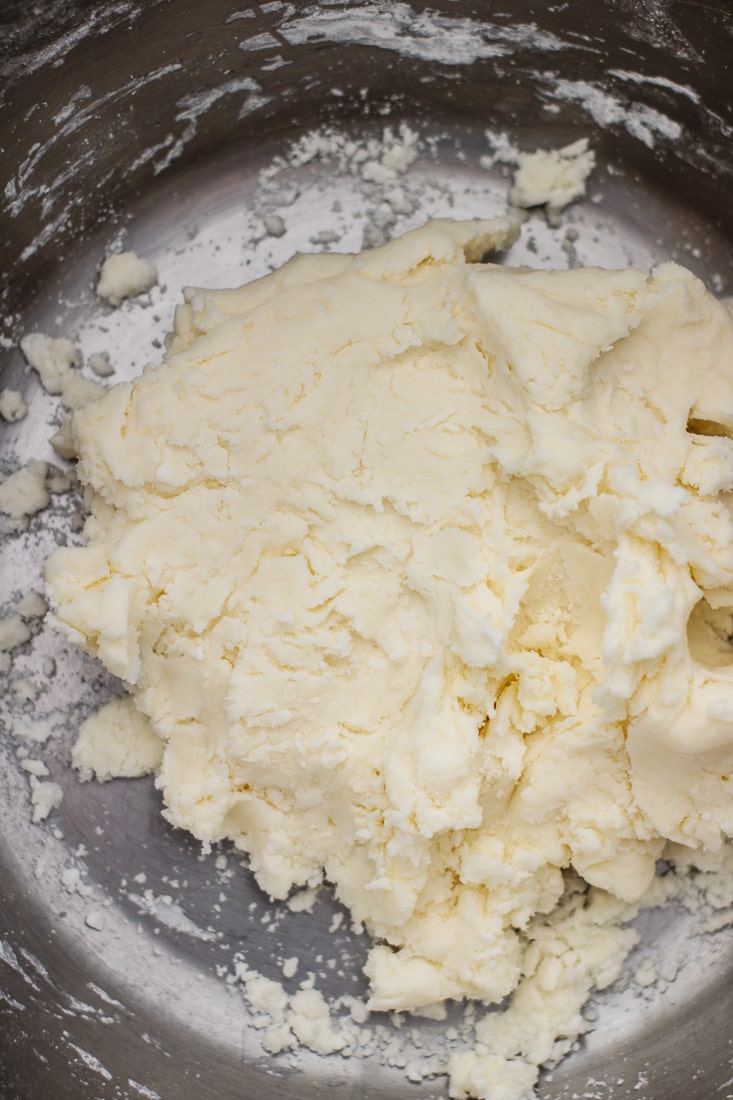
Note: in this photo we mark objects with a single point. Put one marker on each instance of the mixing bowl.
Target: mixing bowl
(214, 139)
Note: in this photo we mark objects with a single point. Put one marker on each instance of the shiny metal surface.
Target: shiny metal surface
(151, 123)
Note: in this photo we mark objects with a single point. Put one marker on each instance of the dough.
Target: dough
(56, 361)
(24, 492)
(116, 741)
(125, 275)
(398, 552)
(552, 177)
(12, 406)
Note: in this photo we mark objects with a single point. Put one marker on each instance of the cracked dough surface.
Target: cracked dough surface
(397, 552)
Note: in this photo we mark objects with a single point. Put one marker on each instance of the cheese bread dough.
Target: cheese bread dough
(552, 177)
(116, 741)
(422, 570)
(125, 275)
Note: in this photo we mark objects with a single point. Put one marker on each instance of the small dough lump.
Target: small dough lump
(125, 275)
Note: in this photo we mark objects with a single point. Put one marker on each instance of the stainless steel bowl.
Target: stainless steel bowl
(151, 122)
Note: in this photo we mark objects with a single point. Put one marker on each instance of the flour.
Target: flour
(428, 35)
(166, 910)
(380, 163)
(657, 81)
(642, 122)
(62, 440)
(194, 106)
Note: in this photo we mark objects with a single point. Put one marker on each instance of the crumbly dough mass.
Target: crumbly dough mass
(422, 569)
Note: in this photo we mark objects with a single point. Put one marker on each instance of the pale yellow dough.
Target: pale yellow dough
(117, 741)
(125, 275)
(397, 551)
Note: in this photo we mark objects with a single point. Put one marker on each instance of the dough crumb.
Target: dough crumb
(36, 732)
(25, 690)
(646, 973)
(12, 405)
(125, 275)
(56, 360)
(32, 606)
(45, 797)
(552, 177)
(117, 741)
(99, 362)
(52, 357)
(301, 1019)
(73, 883)
(275, 225)
(290, 966)
(63, 440)
(13, 633)
(24, 493)
(303, 900)
(34, 767)
(310, 1021)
